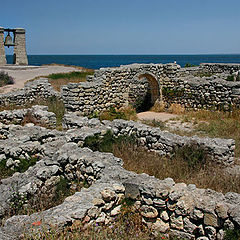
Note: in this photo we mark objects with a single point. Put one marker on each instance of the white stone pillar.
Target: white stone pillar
(20, 54)
(2, 49)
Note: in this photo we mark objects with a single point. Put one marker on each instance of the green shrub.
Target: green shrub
(22, 167)
(5, 79)
(189, 65)
(232, 234)
(127, 113)
(231, 78)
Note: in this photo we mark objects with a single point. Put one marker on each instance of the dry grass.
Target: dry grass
(127, 225)
(59, 79)
(176, 109)
(160, 106)
(205, 175)
(217, 124)
(127, 113)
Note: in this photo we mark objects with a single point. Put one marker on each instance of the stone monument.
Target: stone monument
(18, 42)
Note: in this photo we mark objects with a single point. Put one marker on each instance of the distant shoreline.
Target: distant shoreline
(99, 61)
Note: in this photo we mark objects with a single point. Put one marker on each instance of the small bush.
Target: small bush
(176, 109)
(105, 143)
(29, 118)
(232, 78)
(232, 234)
(189, 65)
(159, 106)
(5, 79)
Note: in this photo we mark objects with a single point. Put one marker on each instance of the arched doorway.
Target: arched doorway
(144, 92)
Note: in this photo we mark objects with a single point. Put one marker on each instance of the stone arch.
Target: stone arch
(145, 100)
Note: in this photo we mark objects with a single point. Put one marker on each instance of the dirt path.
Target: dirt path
(22, 74)
(162, 116)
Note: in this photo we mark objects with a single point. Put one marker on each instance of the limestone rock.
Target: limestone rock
(148, 211)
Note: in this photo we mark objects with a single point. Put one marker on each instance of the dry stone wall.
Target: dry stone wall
(130, 84)
(175, 209)
(113, 87)
(220, 67)
(37, 113)
(202, 93)
(162, 142)
(33, 90)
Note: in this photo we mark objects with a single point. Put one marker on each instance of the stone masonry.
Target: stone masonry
(129, 85)
(20, 54)
(19, 41)
(2, 50)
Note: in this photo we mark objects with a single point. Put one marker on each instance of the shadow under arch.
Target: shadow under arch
(152, 91)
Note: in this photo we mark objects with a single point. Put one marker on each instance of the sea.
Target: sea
(98, 61)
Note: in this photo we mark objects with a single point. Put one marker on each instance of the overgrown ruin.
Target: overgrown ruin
(178, 209)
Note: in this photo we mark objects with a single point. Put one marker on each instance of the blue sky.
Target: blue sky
(126, 26)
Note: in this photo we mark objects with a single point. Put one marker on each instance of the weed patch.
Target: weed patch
(22, 166)
(106, 143)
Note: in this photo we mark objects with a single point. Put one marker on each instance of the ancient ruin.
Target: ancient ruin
(18, 41)
(178, 209)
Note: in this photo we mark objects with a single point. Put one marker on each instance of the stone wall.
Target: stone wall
(33, 90)
(167, 207)
(115, 87)
(220, 67)
(3, 60)
(153, 139)
(202, 93)
(38, 114)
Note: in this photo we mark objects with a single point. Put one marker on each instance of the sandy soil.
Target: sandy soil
(22, 74)
(162, 116)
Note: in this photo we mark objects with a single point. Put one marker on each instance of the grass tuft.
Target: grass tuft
(59, 79)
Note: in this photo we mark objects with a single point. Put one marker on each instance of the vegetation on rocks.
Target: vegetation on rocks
(21, 166)
(189, 165)
(54, 104)
(233, 78)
